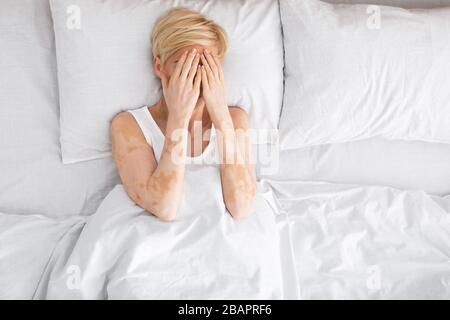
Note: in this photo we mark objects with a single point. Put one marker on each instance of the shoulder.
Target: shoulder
(239, 117)
(121, 119)
(124, 124)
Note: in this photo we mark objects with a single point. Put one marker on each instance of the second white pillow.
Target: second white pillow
(361, 71)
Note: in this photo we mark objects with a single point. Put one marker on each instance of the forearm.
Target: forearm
(165, 185)
(238, 182)
(238, 179)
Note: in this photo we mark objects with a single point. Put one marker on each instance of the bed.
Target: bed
(367, 219)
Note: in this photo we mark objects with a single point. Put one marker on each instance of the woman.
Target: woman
(151, 145)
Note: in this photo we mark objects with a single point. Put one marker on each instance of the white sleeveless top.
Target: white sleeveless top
(154, 137)
(202, 183)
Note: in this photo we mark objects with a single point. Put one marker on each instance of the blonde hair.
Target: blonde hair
(182, 27)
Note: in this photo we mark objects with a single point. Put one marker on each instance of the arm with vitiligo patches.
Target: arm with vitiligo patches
(155, 187)
(237, 172)
(158, 187)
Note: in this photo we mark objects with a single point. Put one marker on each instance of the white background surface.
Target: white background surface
(33, 182)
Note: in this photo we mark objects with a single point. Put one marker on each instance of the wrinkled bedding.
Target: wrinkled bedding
(304, 240)
(123, 252)
(27, 244)
(357, 242)
(70, 231)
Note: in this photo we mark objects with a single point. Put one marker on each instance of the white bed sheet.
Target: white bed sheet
(331, 240)
(316, 241)
(125, 253)
(27, 243)
(399, 164)
(353, 242)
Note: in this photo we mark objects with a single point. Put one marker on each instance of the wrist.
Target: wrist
(221, 118)
(177, 120)
(224, 123)
(226, 140)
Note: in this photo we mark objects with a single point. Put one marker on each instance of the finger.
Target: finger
(208, 72)
(180, 64)
(205, 62)
(188, 63)
(205, 82)
(219, 66)
(198, 79)
(211, 62)
(194, 68)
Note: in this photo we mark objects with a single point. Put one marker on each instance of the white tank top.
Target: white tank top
(202, 183)
(154, 137)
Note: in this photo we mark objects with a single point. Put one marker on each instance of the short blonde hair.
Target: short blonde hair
(182, 27)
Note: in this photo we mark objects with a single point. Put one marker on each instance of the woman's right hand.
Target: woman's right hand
(182, 90)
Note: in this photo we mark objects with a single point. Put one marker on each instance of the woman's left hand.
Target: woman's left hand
(214, 88)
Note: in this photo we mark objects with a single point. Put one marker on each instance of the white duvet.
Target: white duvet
(367, 242)
(123, 252)
(303, 241)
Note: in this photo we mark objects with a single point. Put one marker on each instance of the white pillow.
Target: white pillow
(360, 71)
(104, 63)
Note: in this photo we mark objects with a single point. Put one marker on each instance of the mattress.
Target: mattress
(385, 204)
